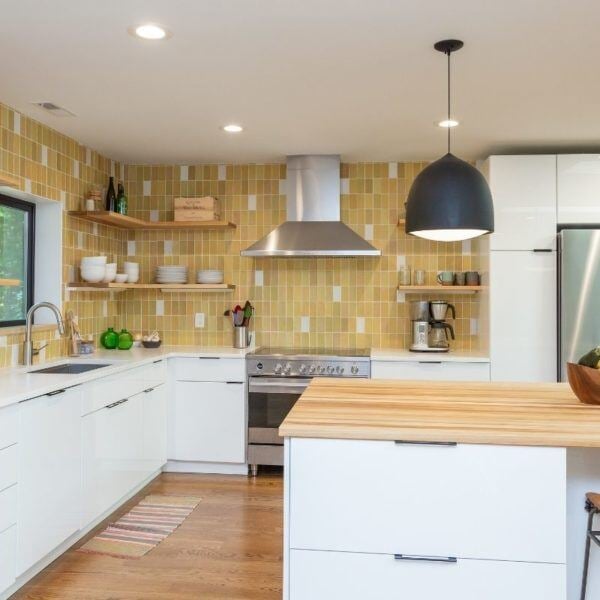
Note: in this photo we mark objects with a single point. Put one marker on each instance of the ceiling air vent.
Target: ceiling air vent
(54, 109)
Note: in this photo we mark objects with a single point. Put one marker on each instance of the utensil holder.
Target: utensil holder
(241, 337)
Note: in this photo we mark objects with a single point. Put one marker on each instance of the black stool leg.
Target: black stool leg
(588, 541)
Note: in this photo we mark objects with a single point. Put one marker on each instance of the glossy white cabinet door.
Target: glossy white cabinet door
(8, 547)
(523, 316)
(524, 193)
(49, 474)
(112, 455)
(155, 429)
(431, 370)
(209, 422)
(350, 576)
(578, 178)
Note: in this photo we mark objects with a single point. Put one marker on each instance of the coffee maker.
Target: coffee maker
(429, 326)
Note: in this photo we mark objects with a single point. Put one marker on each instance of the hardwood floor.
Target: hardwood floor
(229, 548)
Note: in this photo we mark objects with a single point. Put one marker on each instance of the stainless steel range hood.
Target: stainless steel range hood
(313, 227)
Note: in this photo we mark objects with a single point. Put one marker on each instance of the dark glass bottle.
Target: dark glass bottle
(111, 197)
(121, 206)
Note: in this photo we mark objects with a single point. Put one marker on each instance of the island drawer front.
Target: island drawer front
(353, 576)
(428, 370)
(8, 507)
(8, 553)
(209, 369)
(8, 466)
(469, 501)
(106, 390)
(9, 426)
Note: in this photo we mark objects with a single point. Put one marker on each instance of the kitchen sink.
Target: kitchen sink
(72, 368)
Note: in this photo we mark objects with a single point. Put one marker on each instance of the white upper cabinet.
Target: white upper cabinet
(578, 177)
(524, 193)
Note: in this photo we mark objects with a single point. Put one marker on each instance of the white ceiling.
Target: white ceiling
(355, 77)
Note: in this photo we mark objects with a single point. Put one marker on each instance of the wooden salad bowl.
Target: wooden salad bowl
(585, 383)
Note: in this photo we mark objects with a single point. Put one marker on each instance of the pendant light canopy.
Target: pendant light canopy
(449, 200)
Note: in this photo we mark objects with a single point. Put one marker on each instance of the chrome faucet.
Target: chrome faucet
(28, 350)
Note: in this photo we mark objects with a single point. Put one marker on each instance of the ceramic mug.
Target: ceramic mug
(446, 277)
(460, 278)
(472, 278)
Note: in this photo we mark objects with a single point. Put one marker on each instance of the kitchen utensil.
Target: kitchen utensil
(445, 277)
(585, 382)
(439, 308)
(418, 310)
(419, 277)
(241, 337)
(459, 278)
(404, 276)
(472, 278)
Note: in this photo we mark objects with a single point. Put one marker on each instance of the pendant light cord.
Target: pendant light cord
(449, 128)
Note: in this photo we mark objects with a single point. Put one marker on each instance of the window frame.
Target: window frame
(28, 208)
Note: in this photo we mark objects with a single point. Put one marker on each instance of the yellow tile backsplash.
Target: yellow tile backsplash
(342, 302)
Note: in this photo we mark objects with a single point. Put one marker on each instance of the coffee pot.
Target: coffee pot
(438, 335)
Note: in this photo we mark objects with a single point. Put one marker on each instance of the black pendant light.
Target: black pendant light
(449, 200)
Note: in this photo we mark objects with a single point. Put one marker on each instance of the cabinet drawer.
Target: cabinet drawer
(8, 507)
(209, 369)
(9, 426)
(8, 543)
(327, 575)
(8, 466)
(106, 390)
(431, 370)
(469, 501)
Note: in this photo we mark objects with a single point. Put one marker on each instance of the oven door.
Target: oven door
(270, 399)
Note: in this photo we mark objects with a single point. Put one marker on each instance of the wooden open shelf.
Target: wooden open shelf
(441, 289)
(9, 282)
(113, 219)
(8, 181)
(401, 222)
(163, 287)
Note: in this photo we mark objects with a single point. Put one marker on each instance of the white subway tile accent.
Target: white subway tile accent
(304, 324)
(393, 170)
(183, 173)
(168, 247)
(80, 240)
(14, 359)
(105, 308)
(258, 278)
(147, 191)
(282, 187)
(337, 293)
(63, 199)
(199, 321)
(112, 168)
(160, 308)
(88, 157)
(122, 170)
(252, 202)
(131, 248)
(473, 326)
(360, 324)
(70, 274)
(154, 216)
(45, 156)
(345, 185)
(27, 186)
(369, 232)
(466, 247)
(76, 169)
(400, 261)
(222, 172)
(17, 123)
(95, 228)
(400, 297)
(3, 342)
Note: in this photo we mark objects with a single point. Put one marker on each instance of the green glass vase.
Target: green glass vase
(110, 339)
(125, 340)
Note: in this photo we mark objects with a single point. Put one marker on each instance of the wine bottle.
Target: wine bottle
(110, 195)
(121, 205)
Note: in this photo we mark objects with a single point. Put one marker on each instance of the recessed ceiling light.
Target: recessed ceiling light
(448, 123)
(232, 128)
(149, 31)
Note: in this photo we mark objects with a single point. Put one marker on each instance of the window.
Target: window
(17, 235)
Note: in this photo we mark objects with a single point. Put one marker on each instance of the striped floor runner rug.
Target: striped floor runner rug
(155, 518)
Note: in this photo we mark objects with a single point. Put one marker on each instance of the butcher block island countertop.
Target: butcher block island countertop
(523, 414)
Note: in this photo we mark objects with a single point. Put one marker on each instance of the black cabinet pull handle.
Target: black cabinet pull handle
(56, 392)
(234, 382)
(435, 559)
(430, 362)
(209, 358)
(414, 443)
(542, 250)
(148, 390)
(117, 403)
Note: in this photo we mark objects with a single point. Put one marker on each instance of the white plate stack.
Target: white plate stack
(171, 274)
(209, 276)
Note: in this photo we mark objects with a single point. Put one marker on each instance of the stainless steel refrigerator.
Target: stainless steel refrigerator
(579, 294)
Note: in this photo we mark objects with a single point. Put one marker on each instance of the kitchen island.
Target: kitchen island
(438, 489)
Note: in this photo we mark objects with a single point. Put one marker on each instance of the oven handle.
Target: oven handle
(277, 385)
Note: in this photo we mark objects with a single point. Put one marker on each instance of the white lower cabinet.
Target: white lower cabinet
(208, 422)
(431, 370)
(8, 546)
(353, 576)
(155, 428)
(113, 461)
(49, 474)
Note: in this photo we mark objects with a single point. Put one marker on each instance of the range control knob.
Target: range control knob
(320, 369)
(278, 368)
(302, 369)
(288, 368)
(339, 370)
(312, 369)
(259, 366)
(354, 370)
(330, 369)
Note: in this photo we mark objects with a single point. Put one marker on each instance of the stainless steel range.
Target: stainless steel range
(276, 379)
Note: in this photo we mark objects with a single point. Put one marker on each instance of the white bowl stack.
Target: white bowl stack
(93, 268)
(110, 272)
(132, 270)
(209, 276)
(171, 274)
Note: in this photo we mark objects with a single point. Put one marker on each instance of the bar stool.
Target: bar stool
(592, 505)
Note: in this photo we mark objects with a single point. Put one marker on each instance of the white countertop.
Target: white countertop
(402, 355)
(18, 383)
